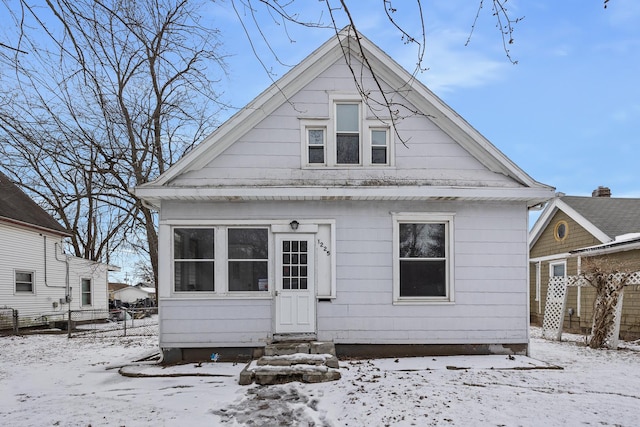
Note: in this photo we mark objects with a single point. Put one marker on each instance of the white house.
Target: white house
(36, 277)
(317, 210)
(131, 294)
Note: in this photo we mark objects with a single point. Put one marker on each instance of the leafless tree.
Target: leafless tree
(608, 278)
(100, 96)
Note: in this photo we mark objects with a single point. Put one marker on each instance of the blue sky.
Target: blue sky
(568, 113)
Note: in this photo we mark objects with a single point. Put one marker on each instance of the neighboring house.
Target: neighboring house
(113, 286)
(36, 277)
(571, 229)
(306, 213)
(131, 294)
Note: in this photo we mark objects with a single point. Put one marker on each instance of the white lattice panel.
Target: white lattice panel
(557, 297)
(554, 308)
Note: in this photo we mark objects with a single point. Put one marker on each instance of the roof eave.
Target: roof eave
(156, 195)
(35, 227)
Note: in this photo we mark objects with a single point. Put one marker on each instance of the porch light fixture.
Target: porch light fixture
(294, 225)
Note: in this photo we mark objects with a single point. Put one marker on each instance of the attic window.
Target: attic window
(347, 137)
(560, 231)
(348, 133)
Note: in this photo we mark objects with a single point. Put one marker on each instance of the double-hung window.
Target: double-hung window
(248, 255)
(85, 287)
(379, 147)
(423, 266)
(193, 254)
(348, 133)
(316, 145)
(24, 281)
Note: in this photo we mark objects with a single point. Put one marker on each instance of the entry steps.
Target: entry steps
(289, 361)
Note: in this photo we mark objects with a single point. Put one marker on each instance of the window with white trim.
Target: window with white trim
(379, 147)
(558, 269)
(347, 133)
(85, 286)
(193, 259)
(347, 138)
(221, 259)
(423, 265)
(248, 255)
(24, 281)
(316, 145)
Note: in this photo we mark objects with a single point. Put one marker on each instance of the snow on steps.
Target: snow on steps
(284, 362)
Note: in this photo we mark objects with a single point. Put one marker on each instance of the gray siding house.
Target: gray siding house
(317, 210)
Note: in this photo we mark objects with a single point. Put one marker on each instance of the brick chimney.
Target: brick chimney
(601, 192)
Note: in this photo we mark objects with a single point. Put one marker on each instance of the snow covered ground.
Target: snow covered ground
(49, 380)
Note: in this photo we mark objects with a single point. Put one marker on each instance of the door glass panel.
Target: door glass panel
(294, 264)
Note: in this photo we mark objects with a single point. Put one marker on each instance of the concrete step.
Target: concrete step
(309, 362)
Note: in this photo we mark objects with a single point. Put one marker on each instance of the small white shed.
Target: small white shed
(131, 294)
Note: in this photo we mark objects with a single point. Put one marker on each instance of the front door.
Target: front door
(295, 303)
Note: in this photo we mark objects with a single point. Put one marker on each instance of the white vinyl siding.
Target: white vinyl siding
(490, 276)
(39, 253)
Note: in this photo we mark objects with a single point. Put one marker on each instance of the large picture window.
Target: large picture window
(248, 255)
(194, 258)
(422, 259)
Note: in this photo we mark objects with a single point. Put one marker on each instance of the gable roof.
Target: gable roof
(346, 42)
(604, 217)
(18, 208)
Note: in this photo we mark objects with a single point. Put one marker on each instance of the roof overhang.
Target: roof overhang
(34, 227)
(155, 195)
(550, 210)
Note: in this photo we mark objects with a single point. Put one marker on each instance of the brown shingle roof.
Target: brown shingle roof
(17, 206)
(612, 216)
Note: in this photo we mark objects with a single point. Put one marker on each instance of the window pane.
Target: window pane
(24, 287)
(379, 137)
(248, 243)
(558, 270)
(422, 240)
(316, 136)
(24, 281)
(423, 278)
(348, 148)
(347, 118)
(193, 243)
(379, 155)
(193, 276)
(86, 291)
(316, 154)
(247, 275)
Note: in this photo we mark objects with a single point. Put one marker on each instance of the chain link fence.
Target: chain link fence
(113, 323)
(9, 320)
